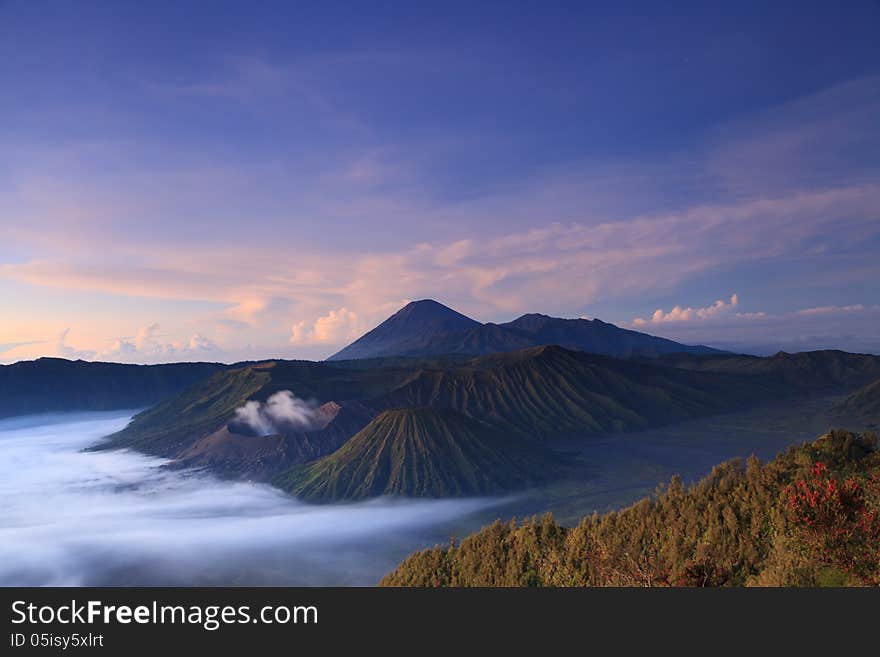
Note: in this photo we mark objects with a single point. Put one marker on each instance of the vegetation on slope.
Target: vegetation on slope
(537, 393)
(421, 452)
(809, 517)
(200, 410)
(548, 392)
(176, 424)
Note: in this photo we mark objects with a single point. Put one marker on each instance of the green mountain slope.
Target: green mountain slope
(421, 452)
(541, 393)
(197, 428)
(202, 409)
(548, 392)
(198, 411)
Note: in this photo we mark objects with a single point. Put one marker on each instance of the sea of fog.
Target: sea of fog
(72, 518)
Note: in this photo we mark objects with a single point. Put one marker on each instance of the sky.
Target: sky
(223, 181)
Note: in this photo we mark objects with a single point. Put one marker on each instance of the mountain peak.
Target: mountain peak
(432, 310)
(410, 328)
(530, 322)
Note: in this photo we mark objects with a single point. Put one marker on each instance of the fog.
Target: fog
(70, 518)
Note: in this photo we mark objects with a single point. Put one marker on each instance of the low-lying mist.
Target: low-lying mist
(73, 518)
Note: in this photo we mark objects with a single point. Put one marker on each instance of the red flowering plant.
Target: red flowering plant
(838, 521)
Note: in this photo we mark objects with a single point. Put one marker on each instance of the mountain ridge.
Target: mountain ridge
(531, 395)
(48, 384)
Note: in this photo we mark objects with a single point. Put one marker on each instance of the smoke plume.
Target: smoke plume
(281, 412)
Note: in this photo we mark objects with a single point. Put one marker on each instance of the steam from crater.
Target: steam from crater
(281, 412)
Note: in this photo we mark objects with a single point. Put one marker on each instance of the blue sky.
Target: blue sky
(219, 181)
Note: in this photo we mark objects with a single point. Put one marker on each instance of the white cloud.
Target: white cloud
(336, 327)
(688, 314)
(147, 345)
(199, 342)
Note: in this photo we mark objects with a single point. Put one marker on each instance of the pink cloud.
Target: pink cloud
(680, 314)
(825, 310)
(336, 327)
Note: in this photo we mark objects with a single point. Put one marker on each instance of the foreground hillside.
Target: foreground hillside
(809, 517)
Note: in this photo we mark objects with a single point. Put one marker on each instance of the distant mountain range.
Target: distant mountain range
(53, 385)
(428, 328)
